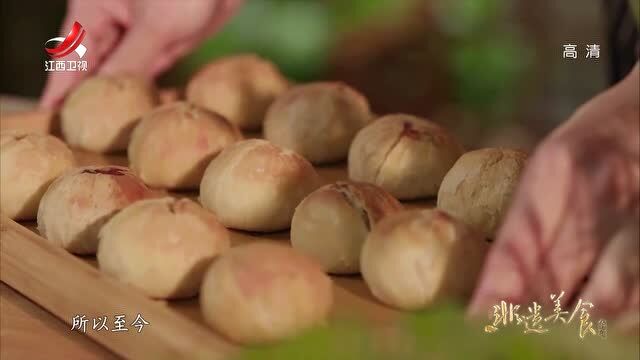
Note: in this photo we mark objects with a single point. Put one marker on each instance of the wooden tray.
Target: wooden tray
(68, 285)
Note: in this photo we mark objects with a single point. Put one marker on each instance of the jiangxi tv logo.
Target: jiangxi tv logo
(59, 47)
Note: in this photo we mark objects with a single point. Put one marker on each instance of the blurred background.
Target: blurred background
(491, 70)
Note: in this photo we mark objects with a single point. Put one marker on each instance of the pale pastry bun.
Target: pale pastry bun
(78, 203)
(479, 186)
(100, 114)
(254, 185)
(239, 87)
(405, 155)
(331, 224)
(172, 146)
(318, 120)
(261, 293)
(413, 259)
(161, 246)
(29, 162)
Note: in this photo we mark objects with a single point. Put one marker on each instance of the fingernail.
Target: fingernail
(494, 287)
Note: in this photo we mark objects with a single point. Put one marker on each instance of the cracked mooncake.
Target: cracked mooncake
(317, 120)
(100, 114)
(161, 246)
(172, 146)
(403, 154)
(479, 186)
(29, 162)
(263, 292)
(239, 87)
(78, 203)
(414, 259)
(331, 224)
(254, 185)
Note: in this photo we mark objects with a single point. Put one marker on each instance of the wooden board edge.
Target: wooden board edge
(25, 263)
(47, 121)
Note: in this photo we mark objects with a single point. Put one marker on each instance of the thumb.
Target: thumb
(151, 47)
(518, 267)
(137, 53)
(60, 82)
(514, 257)
(101, 36)
(503, 277)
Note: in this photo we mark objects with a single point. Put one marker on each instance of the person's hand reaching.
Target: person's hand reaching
(563, 230)
(144, 37)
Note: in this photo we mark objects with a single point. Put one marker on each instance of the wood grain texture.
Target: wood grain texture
(20, 113)
(40, 121)
(27, 330)
(67, 285)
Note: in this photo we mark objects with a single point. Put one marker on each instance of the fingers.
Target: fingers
(614, 285)
(57, 86)
(575, 192)
(146, 52)
(101, 25)
(149, 46)
(536, 252)
(149, 49)
(225, 10)
(511, 260)
(579, 187)
(133, 55)
(628, 323)
(169, 57)
(60, 82)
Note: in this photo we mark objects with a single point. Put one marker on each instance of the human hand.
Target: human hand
(580, 187)
(144, 37)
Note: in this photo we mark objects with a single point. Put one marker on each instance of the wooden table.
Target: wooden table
(27, 331)
(67, 285)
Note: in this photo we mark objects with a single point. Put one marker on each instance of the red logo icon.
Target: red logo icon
(58, 47)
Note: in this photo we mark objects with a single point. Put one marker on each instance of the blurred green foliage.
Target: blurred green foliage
(486, 50)
(463, 18)
(350, 15)
(489, 55)
(443, 333)
(635, 8)
(344, 341)
(296, 34)
(487, 73)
